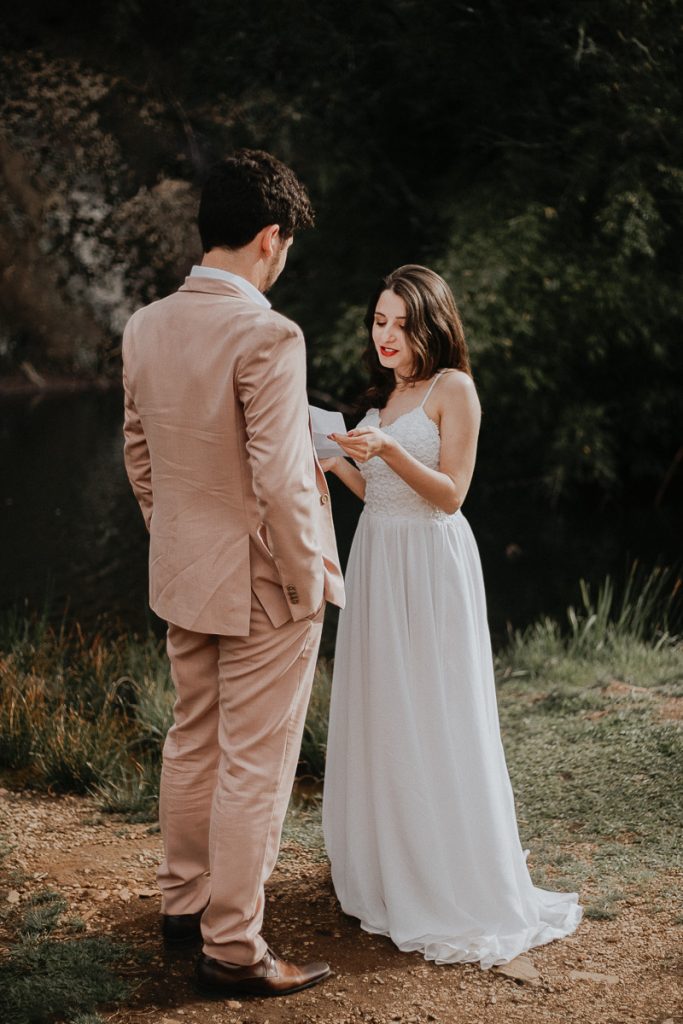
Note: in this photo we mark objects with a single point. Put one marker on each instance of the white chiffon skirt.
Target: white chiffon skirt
(418, 811)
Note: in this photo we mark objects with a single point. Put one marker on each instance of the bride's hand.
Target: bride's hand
(363, 444)
(330, 465)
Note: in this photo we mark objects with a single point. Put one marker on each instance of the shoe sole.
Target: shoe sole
(213, 992)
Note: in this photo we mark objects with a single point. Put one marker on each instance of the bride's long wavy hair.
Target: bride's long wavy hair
(433, 328)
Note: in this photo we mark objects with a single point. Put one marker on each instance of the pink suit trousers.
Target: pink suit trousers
(228, 767)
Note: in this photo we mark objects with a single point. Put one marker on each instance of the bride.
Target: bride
(418, 811)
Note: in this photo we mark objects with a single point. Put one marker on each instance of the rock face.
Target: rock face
(96, 211)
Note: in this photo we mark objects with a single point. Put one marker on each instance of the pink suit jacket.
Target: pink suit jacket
(219, 454)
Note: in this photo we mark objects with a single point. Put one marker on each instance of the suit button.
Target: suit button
(324, 498)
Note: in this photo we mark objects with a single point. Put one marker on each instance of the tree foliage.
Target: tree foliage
(534, 156)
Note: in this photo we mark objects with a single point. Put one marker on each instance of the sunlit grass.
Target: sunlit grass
(632, 630)
(592, 752)
(593, 738)
(84, 714)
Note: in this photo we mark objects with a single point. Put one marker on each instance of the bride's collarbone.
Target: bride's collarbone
(404, 401)
(413, 400)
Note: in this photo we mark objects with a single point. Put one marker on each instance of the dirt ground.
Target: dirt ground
(106, 871)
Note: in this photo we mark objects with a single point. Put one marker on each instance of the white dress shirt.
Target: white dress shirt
(225, 275)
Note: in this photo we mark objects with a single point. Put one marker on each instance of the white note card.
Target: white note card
(322, 424)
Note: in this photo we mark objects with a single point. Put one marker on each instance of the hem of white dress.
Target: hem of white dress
(489, 950)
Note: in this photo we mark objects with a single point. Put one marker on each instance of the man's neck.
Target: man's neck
(237, 262)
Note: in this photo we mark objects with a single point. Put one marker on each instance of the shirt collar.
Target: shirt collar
(241, 282)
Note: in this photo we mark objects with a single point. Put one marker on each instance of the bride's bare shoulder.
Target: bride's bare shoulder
(458, 384)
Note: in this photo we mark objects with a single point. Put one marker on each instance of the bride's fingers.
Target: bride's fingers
(354, 449)
(357, 456)
(356, 446)
(351, 452)
(346, 441)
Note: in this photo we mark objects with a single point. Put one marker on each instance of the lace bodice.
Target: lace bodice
(385, 493)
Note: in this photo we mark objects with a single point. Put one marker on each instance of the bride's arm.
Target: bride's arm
(460, 415)
(347, 473)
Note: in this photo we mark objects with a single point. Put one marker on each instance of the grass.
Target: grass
(43, 912)
(314, 742)
(303, 829)
(590, 722)
(594, 751)
(602, 910)
(43, 977)
(84, 714)
(594, 745)
(587, 709)
(89, 714)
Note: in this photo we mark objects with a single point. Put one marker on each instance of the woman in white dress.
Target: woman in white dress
(418, 811)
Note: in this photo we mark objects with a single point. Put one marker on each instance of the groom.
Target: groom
(242, 558)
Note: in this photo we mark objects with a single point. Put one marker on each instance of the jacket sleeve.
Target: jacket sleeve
(136, 454)
(271, 385)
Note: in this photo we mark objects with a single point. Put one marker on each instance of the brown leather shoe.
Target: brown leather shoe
(269, 977)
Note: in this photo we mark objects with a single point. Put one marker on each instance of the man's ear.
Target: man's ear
(270, 239)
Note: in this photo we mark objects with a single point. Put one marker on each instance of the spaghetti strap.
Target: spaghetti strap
(429, 389)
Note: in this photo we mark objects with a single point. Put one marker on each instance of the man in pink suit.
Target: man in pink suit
(242, 559)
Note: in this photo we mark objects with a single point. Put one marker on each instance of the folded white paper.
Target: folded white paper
(322, 424)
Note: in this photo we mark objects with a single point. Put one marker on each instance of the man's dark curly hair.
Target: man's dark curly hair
(247, 192)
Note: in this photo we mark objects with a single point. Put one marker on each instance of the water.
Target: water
(70, 527)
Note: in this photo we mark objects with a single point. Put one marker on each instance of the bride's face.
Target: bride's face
(389, 335)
